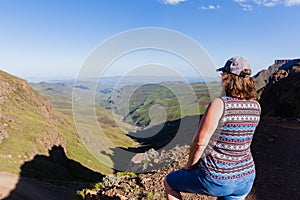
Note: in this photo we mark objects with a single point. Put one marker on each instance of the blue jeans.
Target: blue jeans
(196, 181)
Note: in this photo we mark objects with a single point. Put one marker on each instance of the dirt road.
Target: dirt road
(14, 187)
(7, 183)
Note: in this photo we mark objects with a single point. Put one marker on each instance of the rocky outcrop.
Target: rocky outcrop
(280, 96)
(280, 69)
(123, 186)
(282, 62)
(278, 75)
(262, 78)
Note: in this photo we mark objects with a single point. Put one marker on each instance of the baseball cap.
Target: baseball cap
(235, 65)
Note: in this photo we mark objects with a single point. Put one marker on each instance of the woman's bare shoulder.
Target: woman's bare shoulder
(217, 102)
(217, 108)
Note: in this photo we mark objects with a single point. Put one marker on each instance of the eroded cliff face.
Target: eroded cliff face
(27, 122)
(280, 69)
(280, 95)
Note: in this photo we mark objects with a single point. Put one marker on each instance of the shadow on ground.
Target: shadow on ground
(52, 177)
(177, 132)
(161, 137)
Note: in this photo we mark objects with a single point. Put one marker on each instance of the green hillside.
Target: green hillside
(60, 95)
(134, 102)
(27, 121)
(31, 126)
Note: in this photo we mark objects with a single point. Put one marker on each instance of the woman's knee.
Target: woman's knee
(166, 184)
(168, 188)
(170, 192)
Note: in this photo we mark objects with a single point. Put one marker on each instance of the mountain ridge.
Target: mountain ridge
(20, 105)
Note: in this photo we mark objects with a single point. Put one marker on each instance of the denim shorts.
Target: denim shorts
(196, 181)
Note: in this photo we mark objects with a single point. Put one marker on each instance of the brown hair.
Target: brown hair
(240, 86)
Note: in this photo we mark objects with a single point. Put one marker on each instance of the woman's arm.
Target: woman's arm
(207, 127)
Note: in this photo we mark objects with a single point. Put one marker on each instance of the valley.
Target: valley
(39, 139)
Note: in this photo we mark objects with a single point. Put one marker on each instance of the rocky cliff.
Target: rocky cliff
(279, 89)
(262, 77)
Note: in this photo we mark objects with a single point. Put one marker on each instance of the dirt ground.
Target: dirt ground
(13, 187)
(277, 157)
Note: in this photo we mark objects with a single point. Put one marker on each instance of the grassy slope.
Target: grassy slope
(23, 132)
(60, 97)
(24, 124)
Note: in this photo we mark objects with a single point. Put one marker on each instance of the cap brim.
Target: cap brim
(220, 69)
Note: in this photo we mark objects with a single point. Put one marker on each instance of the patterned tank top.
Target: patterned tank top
(228, 155)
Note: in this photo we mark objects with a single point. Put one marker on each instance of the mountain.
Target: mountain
(280, 96)
(262, 77)
(32, 125)
(38, 138)
(147, 105)
(60, 95)
(136, 103)
(28, 125)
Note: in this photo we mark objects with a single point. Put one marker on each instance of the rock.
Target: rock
(149, 185)
(278, 75)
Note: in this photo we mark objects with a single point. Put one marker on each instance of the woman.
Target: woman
(220, 162)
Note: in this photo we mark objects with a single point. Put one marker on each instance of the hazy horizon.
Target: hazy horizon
(51, 40)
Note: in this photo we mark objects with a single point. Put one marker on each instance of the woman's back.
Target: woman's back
(228, 155)
(220, 161)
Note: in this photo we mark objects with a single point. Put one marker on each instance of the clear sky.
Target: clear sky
(50, 39)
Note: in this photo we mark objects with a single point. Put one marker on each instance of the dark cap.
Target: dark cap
(235, 66)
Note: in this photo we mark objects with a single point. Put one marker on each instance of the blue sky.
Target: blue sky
(50, 39)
